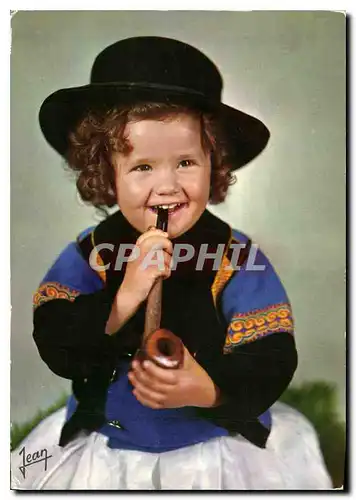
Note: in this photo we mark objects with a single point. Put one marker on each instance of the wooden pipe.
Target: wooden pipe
(158, 344)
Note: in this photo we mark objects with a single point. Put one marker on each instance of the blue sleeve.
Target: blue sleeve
(259, 357)
(71, 308)
(254, 302)
(69, 276)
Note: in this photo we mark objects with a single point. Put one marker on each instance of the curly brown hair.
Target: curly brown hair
(100, 134)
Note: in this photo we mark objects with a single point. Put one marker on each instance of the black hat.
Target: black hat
(151, 69)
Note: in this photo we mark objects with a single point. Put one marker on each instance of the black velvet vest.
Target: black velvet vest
(187, 309)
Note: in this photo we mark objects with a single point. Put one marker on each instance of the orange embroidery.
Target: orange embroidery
(223, 274)
(53, 290)
(248, 327)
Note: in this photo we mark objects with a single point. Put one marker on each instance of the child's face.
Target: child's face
(167, 165)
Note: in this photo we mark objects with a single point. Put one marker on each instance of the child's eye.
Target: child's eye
(186, 163)
(142, 168)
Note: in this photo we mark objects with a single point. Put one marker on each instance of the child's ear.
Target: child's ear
(112, 191)
(112, 188)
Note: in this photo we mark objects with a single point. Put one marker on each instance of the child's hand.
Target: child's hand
(157, 387)
(139, 277)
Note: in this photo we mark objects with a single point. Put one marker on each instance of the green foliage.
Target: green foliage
(316, 400)
(20, 431)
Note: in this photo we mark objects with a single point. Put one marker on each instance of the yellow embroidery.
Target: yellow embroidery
(53, 290)
(248, 327)
(223, 275)
(98, 261)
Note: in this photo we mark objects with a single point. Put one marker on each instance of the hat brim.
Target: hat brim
(62, 110)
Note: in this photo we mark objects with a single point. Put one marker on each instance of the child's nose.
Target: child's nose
(167, 183)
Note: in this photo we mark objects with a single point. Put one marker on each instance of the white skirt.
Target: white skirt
(292, 460)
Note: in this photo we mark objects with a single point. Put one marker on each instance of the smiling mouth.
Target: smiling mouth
(172, 207)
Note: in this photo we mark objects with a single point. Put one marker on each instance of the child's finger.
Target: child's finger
(142, 377)
(139, 375)
(146, 401)
(161, 383)
(132, 378)
(159, 269)
(163, 375)
(148, 234)
(150, 395)
(155, 242)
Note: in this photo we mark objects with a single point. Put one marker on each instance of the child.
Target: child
(150, 131)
